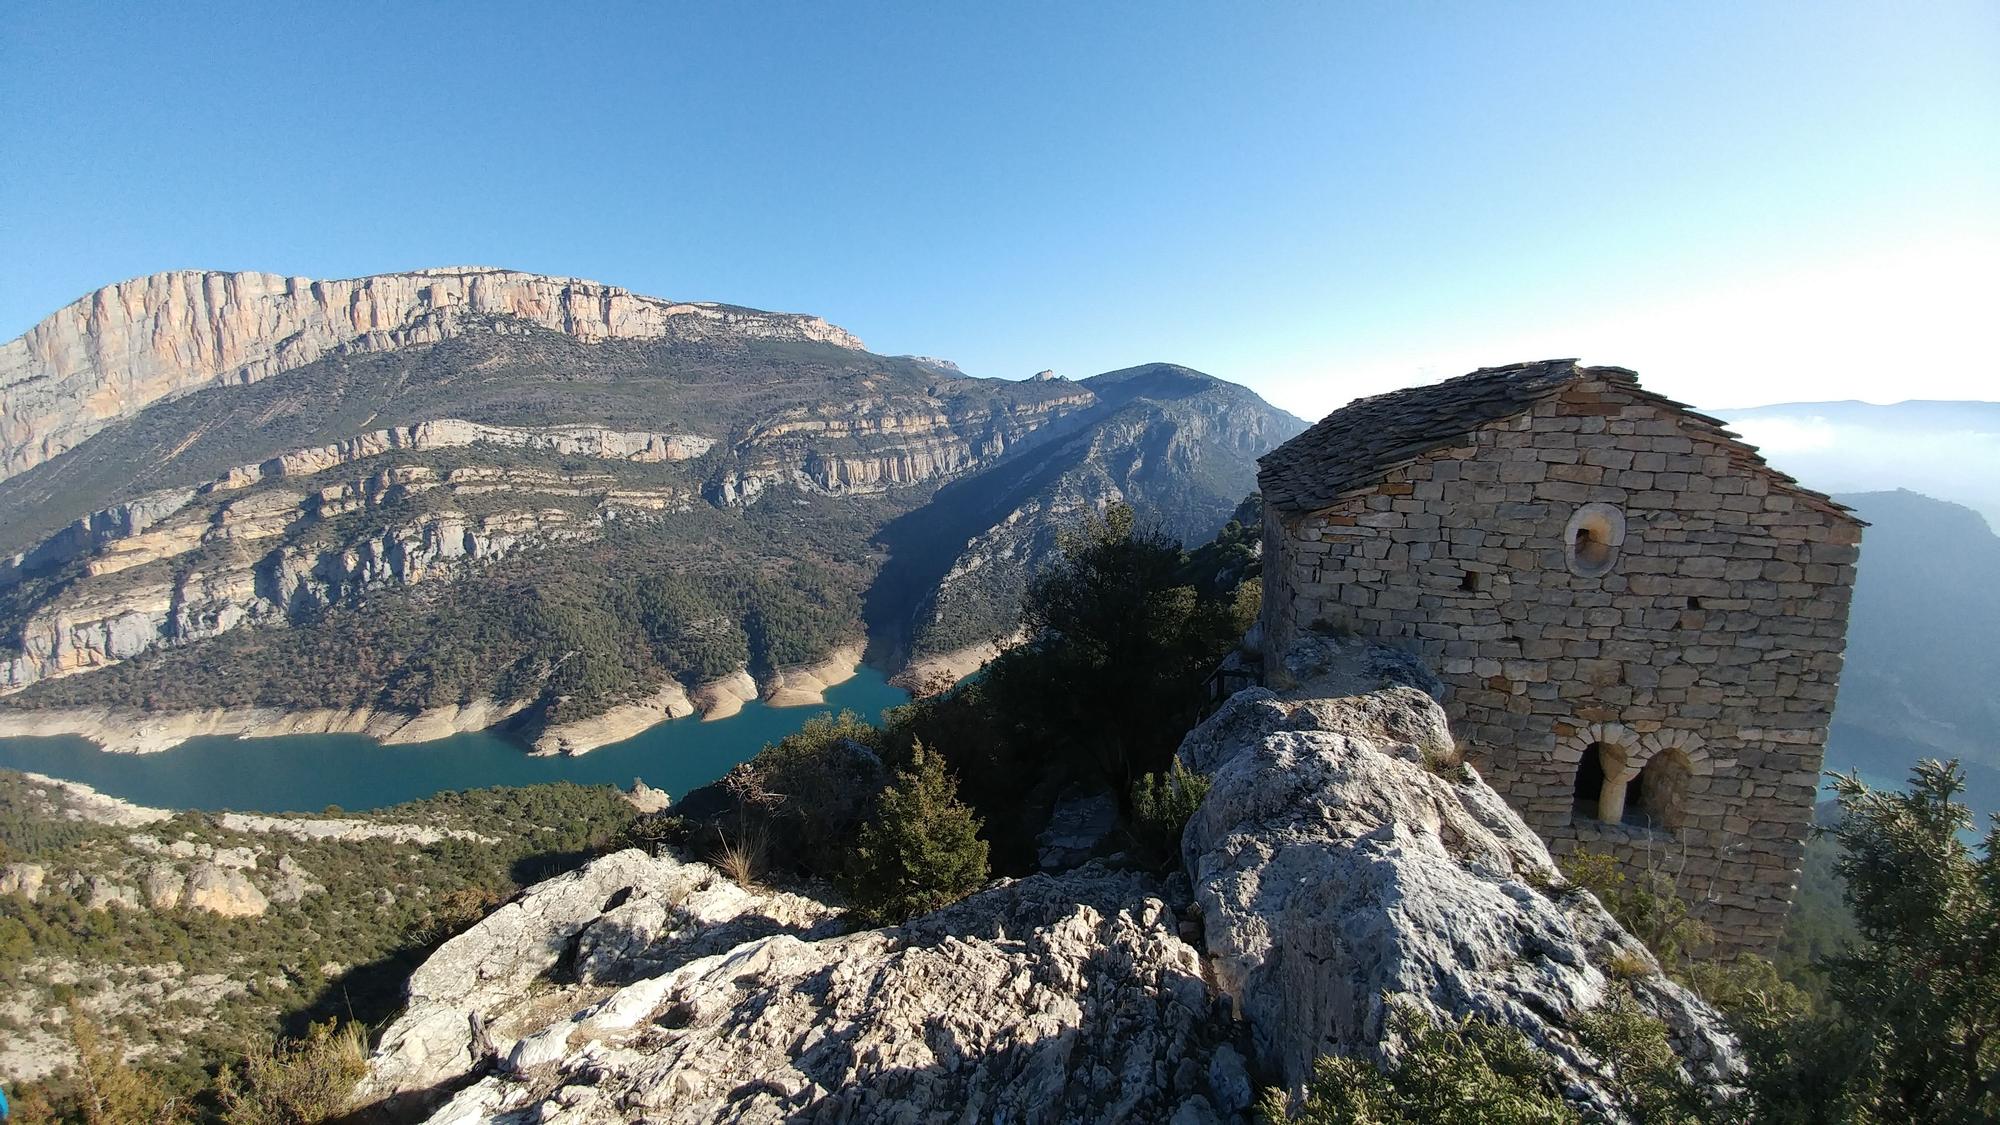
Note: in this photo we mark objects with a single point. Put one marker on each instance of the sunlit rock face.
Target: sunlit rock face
(1064, 998)
(1344, 863)
(113, 352)
(1341, 864)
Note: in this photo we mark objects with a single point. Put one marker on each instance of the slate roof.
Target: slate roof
(1354, 446)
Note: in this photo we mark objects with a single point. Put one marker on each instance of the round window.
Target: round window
(1591, 542)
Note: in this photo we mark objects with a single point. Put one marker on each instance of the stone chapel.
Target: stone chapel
(1639, 622)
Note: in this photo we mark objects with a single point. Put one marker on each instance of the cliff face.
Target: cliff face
(869, 446)
(233, 555)
(195, 461)
(112, 353)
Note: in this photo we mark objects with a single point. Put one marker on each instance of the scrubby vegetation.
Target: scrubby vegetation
(1883, 1003)
(1162, 804)
(187, 992)
(922, 851)
(1127, 628)
(691, 596)
(1476, 1072)
(1911, 1029)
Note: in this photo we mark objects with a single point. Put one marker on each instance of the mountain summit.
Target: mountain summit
(115, 352)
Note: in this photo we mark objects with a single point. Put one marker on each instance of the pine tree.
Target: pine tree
(923, 851)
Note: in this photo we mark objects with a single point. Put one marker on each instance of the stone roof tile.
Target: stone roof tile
(1354, 446)
(1351, 447)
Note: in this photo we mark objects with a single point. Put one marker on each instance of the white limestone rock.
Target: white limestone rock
(24, 879)
(628, 904)
(223, 890)
(1055, 998)
(1337, 872)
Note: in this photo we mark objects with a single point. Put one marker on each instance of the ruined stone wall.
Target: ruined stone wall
(1696, 656)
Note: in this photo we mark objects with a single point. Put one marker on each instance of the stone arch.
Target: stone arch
(1687, 742)
(1611, 756)
(1608, 756)
(1662, 798)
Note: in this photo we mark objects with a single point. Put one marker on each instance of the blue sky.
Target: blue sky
(1746, 202)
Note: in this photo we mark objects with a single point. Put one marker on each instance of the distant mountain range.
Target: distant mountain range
(1950, 450)
(472, 494)
(1922, 663)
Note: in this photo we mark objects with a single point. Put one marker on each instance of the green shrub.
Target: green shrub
(924, 850)
(1469, 1073)
(1162, 806)
(299, 1082)
(655, 831)
(1648, 907)
(1646, 1078)
(1913, 1034)
(1476, 1072)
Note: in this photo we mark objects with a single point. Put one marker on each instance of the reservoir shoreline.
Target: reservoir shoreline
(294, 770)
(119, 730)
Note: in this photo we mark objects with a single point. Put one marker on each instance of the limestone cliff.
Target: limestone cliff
(444, 486)
(110, 354)
(871, 445)
(232, 555)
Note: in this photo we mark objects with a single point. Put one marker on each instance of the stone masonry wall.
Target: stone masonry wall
(1702, 661)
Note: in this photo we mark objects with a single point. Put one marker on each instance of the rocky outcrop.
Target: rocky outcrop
(724, 697)
(103, 892)
(1079, 828)
(1060, 999)
(620, 916)
(805, 685)
(223, 890)
(109, 354)
(1344, 861)
(932, 673)
(647, 799)
(24, 879)
(1343, 864)
(581, 736)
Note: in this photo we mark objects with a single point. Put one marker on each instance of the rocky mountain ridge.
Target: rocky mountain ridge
(515, 474)
(126, 346)
(1332, 874)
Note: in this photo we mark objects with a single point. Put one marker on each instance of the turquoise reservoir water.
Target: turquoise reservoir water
(307, 773)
